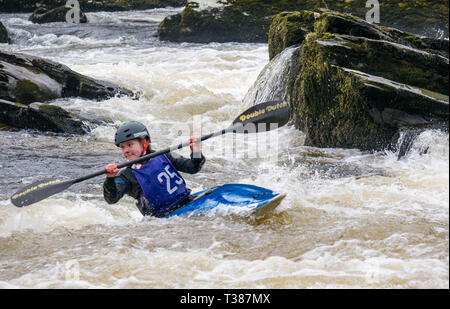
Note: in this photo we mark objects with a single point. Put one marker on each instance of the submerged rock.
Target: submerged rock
(357, 84)
(28, 79)
(249, 20)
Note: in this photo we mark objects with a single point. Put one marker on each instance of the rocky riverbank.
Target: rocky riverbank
(249, 20)
(26, 81)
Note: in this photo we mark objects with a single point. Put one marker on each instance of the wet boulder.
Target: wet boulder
(358, 84)
(42, 117)
(222, 21)
(250, 20)
(288, 29)
(60, 14)
(25, 80)
(222, 24)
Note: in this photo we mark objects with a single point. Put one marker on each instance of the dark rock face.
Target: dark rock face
(59, 14)
(27, 79)
(26, 6)
(215, 25)
(3, 34)
(43, 118)
(357, 84)
(289, 29)
(249, 20)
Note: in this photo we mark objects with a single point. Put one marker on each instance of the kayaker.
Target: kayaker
(156, 184)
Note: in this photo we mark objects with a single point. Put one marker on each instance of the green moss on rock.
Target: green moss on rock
(289, 29)
(250, 19)
(28, 92)
(215, 25)
(43, 15)
(358, 84)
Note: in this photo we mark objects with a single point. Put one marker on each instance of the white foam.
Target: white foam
(61, 212)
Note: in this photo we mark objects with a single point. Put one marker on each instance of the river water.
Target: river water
(351, 219)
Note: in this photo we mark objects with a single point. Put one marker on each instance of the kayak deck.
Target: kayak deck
(231, 199)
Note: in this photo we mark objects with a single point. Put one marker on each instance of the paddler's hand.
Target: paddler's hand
(111, 170)
(196, 144)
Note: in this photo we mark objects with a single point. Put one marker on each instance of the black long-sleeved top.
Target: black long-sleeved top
(114, 188)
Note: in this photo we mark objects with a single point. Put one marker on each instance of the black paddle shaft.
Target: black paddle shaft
(151, 155)
(261, 117)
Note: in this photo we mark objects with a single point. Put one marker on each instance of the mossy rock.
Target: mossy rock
(63, 121)
(215, 25)
(32, 80)
(389, 60)
(337, 23)
(28, 79)
(43, 118)
(358, 84)
(288, 29)
(27, 92)
(43, 15)
(4, 127)
(236, 21)
(253, 17)
(344, 96)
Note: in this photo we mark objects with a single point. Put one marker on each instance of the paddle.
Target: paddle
(259, 118)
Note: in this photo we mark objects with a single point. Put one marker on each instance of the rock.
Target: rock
(43, 15)
(42, 117)
(26, 6)
(28, 79)
(25, 80)
(276, 80)
(215, 25)
(288, 29)
(3, 34)
(238, 21)
(249, 20)
(356, 84)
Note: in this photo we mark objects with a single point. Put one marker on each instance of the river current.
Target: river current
(351, 219)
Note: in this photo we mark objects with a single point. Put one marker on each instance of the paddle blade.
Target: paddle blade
(263, 117)
(38, 191)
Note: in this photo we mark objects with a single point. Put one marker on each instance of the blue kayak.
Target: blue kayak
(231, 199)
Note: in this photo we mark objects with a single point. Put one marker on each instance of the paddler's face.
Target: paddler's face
(131, 150)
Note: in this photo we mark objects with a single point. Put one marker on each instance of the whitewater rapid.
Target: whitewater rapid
(351, 219)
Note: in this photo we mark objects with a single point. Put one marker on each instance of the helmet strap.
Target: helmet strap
(144, 144)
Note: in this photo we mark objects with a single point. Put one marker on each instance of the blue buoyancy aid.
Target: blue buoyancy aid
(161, 184)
